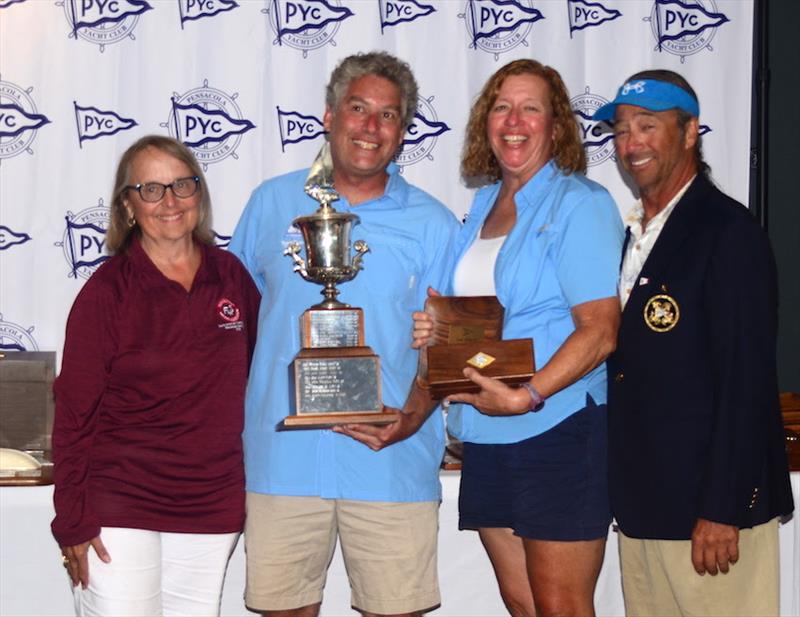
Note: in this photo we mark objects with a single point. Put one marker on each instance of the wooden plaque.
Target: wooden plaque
(465, 319)
(464, 326)
(509, 361)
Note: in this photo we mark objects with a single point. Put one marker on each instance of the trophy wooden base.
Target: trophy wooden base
(326, 420)
(511, 362)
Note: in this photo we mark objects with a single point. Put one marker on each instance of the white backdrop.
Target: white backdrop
(243, 82)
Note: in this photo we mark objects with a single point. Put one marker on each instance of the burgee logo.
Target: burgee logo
(84, 240)
(585, 14)
(422, 134)
(685, 28)
(220, 240)
(14, 337)
(598, 140)
(9, 238)
(19, 120)
(209, 122)
(191, 10)
(498, 26)
(305, 24)
(395, 12)
(103, 22)
(295, 127)
(93, 123)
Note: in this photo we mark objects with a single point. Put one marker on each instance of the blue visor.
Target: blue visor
(650, 94)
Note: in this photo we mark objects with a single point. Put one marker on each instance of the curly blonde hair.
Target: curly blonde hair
(477, 159)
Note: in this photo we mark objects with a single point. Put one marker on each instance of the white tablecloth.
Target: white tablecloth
(33, 582)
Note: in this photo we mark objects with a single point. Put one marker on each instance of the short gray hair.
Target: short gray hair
(374, 63)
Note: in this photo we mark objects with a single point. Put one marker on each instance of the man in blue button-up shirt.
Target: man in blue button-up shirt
(376, 488)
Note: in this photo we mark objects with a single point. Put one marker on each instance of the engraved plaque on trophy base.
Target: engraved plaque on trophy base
(338, 327)
(337, 379)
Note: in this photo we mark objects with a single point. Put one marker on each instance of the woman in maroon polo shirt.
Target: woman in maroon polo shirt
(149, 478)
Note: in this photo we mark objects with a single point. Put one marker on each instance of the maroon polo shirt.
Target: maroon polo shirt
(150, 399)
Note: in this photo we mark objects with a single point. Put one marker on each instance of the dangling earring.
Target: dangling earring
(131, 221)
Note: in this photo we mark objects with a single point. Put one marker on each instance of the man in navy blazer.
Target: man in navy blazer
(697, 465)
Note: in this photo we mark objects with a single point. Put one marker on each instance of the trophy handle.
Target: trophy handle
(361, 248)
(299, 264)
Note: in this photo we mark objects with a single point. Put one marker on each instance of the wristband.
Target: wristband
(537, 400)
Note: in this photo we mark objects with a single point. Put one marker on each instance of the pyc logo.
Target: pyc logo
(14, 337)
(103, 22)
(585, 14)
(93, 123)
(295, 127)
(197, 9)
(684, 29)
(498, 26)
(422, 134)
(84, 240)
(221, 241)
(598, 140)
(9, 238)
(19, 120)
(305, 24)
(209, 122)
(395, 12)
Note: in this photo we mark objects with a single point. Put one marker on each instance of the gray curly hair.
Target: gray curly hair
(374, 63)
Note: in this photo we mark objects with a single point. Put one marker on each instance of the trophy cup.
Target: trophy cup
(466, 332)
(337, 378)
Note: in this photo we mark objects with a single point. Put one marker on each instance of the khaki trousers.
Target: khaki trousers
(658, 579)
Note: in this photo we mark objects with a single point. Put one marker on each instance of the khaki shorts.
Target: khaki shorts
(389, 551)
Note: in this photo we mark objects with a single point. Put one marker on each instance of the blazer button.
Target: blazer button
(619, 377)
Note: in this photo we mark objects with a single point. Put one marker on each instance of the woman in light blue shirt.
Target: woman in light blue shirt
(546, 241)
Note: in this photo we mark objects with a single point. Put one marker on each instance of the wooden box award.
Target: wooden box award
(466, 332)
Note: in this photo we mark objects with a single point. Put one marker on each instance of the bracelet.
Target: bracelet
(537, 400)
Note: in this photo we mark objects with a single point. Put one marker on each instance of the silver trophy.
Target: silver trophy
(337, 377)
(326, 235)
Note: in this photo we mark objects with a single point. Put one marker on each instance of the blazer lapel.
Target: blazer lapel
(678, 227)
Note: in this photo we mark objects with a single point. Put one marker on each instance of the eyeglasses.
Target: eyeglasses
(152, 192)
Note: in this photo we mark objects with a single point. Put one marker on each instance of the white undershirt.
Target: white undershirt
(475, 272)
(641, 243)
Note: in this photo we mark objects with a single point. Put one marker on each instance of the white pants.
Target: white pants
(156, 573)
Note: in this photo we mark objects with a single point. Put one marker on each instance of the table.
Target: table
(33, 582)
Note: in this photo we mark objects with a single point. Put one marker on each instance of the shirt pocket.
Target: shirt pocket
(391, 270)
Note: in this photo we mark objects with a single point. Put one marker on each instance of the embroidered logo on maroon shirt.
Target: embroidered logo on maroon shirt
(228, 310)
(230, 315)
